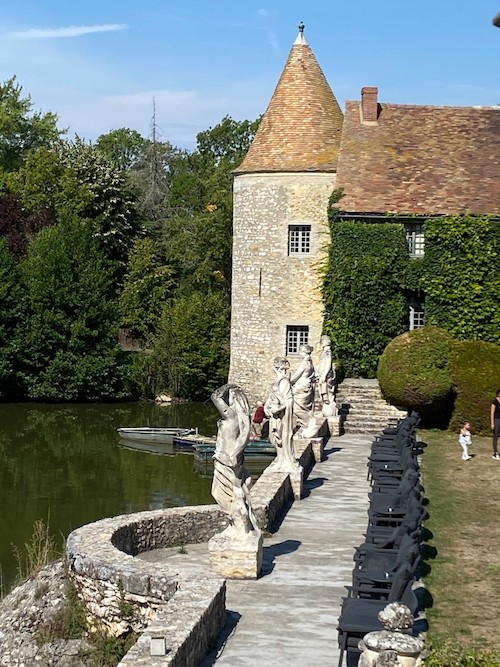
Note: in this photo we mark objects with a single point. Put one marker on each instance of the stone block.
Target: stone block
(297, 482)
(236, 558)
(318, 447)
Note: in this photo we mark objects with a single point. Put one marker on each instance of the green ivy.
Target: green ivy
(363, 296)
(461, 278)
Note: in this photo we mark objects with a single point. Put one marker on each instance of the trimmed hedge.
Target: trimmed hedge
(365, 306)
(475, 372)
(414, 372)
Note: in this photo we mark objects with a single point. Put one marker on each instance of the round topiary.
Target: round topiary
(414, 372)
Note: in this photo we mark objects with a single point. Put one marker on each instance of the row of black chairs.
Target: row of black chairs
(386, 564)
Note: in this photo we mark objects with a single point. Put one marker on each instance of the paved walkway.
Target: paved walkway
(289, 615)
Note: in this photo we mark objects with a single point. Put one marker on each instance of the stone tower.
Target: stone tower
(281, 193)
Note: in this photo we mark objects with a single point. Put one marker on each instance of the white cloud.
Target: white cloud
(67, 31)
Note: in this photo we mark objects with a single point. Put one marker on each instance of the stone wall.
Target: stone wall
(122, 593)
(270, 289)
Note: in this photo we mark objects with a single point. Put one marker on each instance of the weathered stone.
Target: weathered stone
(236, 558)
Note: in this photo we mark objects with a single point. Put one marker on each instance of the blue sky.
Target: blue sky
(99, 63)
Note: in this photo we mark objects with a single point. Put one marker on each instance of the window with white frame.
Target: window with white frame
(299, 239)
(415, 239)
(417, 318)
(295, 337)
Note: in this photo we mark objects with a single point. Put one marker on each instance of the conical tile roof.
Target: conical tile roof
(301, 128)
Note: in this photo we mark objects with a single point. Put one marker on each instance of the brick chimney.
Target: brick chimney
(369, 104)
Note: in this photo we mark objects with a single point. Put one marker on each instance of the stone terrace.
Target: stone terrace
(289, 615)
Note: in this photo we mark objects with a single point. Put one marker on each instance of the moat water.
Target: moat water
(65, 464)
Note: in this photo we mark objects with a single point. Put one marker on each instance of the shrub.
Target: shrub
(414, 372)
(475, 371)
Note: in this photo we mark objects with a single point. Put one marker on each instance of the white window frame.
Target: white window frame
(296, 335)
(415, 239)
(299, 240)
(417, 317)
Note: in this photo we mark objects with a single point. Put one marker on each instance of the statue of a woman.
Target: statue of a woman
(279, 408)
(231, 482)
(326, 378)
(303, 381)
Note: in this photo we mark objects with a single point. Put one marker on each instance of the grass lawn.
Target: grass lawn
(463, 553)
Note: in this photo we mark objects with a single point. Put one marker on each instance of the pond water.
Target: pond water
(64, 464)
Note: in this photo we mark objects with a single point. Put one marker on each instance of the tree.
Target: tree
(21, 129)
(78, 179)
(67, 340)
(190, 354)
(124, 148)
(147, 286)
(198, 234)
(10, 303)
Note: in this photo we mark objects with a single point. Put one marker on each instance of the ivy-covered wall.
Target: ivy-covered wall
(365, 303)
(461, 276)
(369, 279)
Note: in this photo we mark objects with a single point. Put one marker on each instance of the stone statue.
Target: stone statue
(303, 381)
(231, 482)
(279, 408)
(326, 378)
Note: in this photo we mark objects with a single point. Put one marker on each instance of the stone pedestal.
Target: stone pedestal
(236, 556)
(390, 648)
(334, 425)
(297, 482)
(318, 447)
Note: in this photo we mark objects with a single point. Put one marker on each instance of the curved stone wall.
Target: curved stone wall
(122, 593)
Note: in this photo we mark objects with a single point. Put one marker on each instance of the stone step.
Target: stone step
(365, 411)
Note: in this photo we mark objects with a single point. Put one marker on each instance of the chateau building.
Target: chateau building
(409, 160)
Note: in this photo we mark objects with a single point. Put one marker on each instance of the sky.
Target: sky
(98, 64)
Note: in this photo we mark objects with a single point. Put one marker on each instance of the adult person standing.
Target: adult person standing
(257, 420)
(495, 423)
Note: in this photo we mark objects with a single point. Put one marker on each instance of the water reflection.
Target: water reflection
(62, 463)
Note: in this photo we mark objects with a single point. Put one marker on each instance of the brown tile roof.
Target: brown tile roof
(301, 128)
(421, 159)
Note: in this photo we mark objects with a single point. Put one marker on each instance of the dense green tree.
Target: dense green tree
(21, 129)
(198, 235)
(67, 341)
(78, 179)
(147, 286)
(190, 354)
(124, 148)
(10, 302)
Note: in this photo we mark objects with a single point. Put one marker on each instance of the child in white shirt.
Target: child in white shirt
(465, 441)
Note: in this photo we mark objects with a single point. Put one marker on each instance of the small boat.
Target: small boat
(158, 435)
(189, 440)
(254, 449)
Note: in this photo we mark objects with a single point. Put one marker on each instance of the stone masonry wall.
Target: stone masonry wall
(270, 289)
(121, 592)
